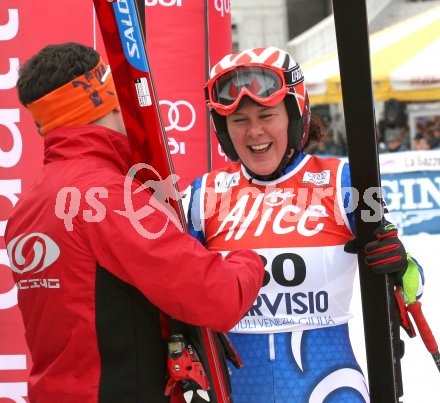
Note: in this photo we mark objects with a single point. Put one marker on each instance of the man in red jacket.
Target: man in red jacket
(91, 286)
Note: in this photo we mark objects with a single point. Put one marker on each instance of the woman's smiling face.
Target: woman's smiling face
(259, 135)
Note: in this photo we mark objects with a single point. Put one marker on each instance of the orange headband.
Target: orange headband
(81, 101)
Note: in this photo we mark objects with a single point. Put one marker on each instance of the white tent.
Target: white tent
(405, 61)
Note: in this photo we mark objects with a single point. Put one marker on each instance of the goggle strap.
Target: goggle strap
(206, 89)
(293, 76)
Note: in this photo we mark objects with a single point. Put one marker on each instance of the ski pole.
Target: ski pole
(381, 326)
(415, 309)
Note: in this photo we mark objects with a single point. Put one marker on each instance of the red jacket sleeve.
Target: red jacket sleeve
(173, 270)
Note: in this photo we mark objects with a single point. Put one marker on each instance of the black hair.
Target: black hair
(52, 67)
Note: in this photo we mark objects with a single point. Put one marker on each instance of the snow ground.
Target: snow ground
(421, 379)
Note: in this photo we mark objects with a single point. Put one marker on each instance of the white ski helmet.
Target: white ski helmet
(266, 75)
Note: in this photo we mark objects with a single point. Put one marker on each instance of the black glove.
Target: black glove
(386, 254)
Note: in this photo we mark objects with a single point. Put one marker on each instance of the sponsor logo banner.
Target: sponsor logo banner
(413, 199)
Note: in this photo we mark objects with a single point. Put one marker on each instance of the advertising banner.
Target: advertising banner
(411, 183)
(25, 27)
(219, 16)
(176, 51)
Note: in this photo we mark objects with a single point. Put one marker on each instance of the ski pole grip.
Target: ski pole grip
(422, 325)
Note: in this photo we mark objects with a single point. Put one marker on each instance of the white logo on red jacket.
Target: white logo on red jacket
(224, 181)
(246, 211)
(32, 252)
(317, 178)
(278, 197)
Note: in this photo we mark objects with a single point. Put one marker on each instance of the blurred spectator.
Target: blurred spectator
(380, 135)
(434, 131)
(428, 133)
(421, 142)
(327, 146)
(429, 127)
(338, 128)
(380, 130)
(434, 143)
(394, 139)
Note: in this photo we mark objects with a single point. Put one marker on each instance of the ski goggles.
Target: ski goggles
(265, 85)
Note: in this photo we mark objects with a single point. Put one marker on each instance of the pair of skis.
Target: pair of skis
(380, 311)
(124, 40)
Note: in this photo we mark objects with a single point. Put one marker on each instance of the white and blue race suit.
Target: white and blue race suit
(294, 341)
